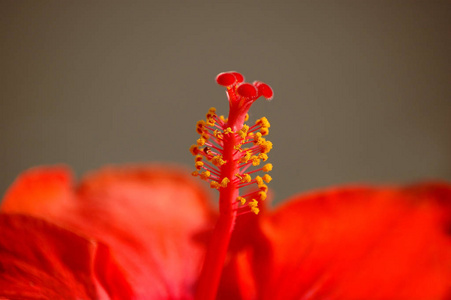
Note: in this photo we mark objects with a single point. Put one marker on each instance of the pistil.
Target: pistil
(228, 164)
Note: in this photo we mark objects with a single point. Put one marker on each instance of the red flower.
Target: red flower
(141, 232)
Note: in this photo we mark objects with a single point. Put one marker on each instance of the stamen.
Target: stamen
(226, 166)
(242, 200)
(199, 165)
(267, 178)
(205, 175)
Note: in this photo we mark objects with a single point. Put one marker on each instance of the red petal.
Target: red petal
(39, 191)
(148, 216)
(357, 243)
(39, 260)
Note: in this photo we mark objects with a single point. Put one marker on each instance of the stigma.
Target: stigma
(232, 155)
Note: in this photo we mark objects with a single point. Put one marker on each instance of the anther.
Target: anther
(263, 156)
(263, 187)
(259, 180)
(255, 210)
(253, 205)
(241, 199)
(218, 134)
(246, 178)
(199, 165)
(194, 150)
(224, 182)
(205, 175)
(257, 137)
(267, 167)
(228, 130)
(246, 157)
(255, 161)
(217, 161)
(267, 178)
(266, 147)
(200, 126)
(201, 142)
(263, 122)
(262, 195)
(214, 184)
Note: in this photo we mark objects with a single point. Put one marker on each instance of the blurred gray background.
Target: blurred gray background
(362, 88)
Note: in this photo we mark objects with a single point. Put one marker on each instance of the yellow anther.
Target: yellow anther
(205, 175)
(214, 184)
(263, 187)
(222, 118)
(228, 130)
(255, 210)
(253, 203)
(194, 150)
(217, 134)
(195, 173)
(198, 158)
(241, 199)
(207, 150)
(218, 161)
(263, 156)
(260, 141)
(205, 136)
(243, 131)
(264, 131)
(246, 117)
(267, 178)
(201, 142)
(211, 114)
(263, 122)
(259, 180)
(267, 167)
(238, 147)
(224, 182)
(242, 134)
(246, 178)
(266, 147)
(200, 126)
(255, 160)
(210, 122)
(262, 195)
(257, 136)
(246, 157)
(199, 165)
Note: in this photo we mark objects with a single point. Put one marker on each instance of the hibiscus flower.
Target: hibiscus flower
(151, 232)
